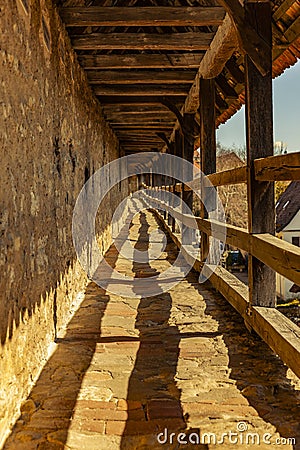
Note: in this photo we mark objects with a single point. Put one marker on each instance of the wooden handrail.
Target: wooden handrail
(278, 168)
(231, 176)
(281, 256)
(279, 332)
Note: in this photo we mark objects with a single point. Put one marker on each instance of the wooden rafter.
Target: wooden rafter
(136, 99)
(141, 61)
(95, 16)
(149, 77)
(142, 90)
(249, 39)
(143, 41)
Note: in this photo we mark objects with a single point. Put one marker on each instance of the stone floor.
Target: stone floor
(130, 372)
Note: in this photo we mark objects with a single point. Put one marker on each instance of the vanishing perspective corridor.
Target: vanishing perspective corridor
(127, 373)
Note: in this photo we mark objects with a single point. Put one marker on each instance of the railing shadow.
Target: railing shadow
(153, 397)
(47, 414)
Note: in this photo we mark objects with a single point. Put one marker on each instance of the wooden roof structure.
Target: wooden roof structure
(144, 58)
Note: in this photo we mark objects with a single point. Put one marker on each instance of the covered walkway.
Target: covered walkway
(110, 89)
(127, 369)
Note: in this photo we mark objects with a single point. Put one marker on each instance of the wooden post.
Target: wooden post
(207, 143)
(188, 155)
(259, 131)
(178, 152)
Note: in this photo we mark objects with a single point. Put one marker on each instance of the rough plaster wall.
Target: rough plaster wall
(52, 137)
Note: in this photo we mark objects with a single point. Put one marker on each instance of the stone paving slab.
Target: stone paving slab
(130, 372)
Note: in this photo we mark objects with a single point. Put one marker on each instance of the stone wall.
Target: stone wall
(52, 138)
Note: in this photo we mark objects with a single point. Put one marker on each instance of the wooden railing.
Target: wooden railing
(280, 333)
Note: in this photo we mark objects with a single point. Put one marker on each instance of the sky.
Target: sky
(286, 107)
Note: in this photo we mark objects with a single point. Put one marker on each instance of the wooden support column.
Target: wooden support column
(207, 143)
(188, 155)
(259, 130)
(178, 152)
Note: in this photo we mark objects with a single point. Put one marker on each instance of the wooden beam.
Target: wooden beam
(137, 99)
(278, 168)
(140, 77)
(135, 110)
(281, 256)
(259, 133)
(97, 16)
(221, 48)
(141, 122)
(143, 41)
(280, 333)
(143, 127)
(235, 71)
(142, 90)
(225, 87)
(207, 145)
(250, 39)
(281, 10)
(188, 155)
(141, 117)
(293, 31)
(231, 176)
(132, 61)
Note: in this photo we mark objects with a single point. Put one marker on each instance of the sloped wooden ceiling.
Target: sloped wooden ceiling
(142, 56)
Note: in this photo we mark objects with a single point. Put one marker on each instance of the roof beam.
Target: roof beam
(250, 41)
(132, 61)
(221, 49)
(95, 16)
(142, 90)
(136, 99)
(143, 41)
(148, 77)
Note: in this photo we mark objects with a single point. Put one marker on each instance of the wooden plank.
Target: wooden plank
(293, 31)
(140, 77)
(280, 11)
(143, 127)
(231, 176)
(97, 16)
(235, 236)
(137, 99)
(141, 123)
(280, 333)
(143, 41)
(281, 256)
(251, 41)
(142, 90)
(132, 61)
(160, 117)
(278, 168)
(136, 110)
(259, 132)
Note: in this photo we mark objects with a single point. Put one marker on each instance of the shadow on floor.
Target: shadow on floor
(259, 374)
(47, 414)
(153, 398)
